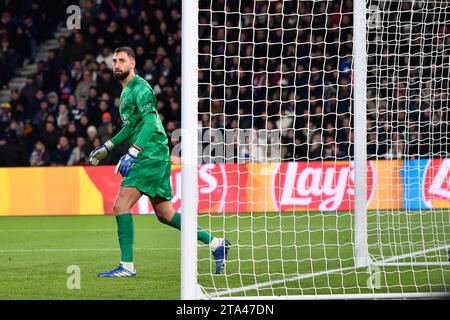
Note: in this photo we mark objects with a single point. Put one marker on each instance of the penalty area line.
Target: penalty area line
(409, 255)
(79, 250)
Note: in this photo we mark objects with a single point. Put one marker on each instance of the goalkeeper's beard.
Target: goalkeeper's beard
(122, 75)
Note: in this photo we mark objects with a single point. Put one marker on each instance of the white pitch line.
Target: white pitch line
(269, 283)
(351, 296)
(79, 250)
(76, 230)
(411, 254)
(314, 274)
(416, 264)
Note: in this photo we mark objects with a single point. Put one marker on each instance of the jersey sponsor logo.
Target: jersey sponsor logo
(436, 183)
(145, 107)
(326, 186)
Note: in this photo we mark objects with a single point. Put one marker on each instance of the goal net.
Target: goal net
(323, 147)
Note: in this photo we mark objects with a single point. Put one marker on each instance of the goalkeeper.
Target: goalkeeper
(146, 166)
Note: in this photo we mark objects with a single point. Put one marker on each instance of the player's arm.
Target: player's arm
(101, 152)
(148, 129)
(122, 136)
(146, 103)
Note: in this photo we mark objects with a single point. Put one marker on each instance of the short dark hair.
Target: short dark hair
(128, 50)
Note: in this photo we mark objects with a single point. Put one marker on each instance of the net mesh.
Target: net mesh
(275, 111)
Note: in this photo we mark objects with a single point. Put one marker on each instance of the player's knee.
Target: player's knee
(162, 217)
(120, 208)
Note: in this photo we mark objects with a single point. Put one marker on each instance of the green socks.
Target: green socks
(126, 236)
(202, 235)
(125, 231)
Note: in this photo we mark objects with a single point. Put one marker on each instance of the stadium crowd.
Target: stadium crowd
(284, 70)
(284, 77)
(70, 105)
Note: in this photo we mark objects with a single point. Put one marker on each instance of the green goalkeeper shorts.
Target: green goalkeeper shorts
(151, 177)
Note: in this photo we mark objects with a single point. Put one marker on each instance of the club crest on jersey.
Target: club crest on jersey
(124, 118)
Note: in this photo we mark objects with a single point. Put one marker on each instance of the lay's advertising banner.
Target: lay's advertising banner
(231, 188)
(426, 184)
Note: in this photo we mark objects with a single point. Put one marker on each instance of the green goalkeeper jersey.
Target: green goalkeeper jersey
(141, 123)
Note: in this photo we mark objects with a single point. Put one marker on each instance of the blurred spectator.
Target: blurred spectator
(39, 155)
(8, 61)
(82, 90)
(72, 133)
(107, 84)
(78, 49)
(80, 110)
(105, 130)
(91, 134)
(53, 101)
(65, 87)
(5, 114)
(93, 142)
(50, 69)
(50, 136)
(62, 117)
(83, 125)
(105, 56)
(62, 152)
(63, 52)
(76, 73)
(13, 152)
(78, 155)
(41, 114)
(29, 90)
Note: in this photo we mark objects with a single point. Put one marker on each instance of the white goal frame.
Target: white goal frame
(190, 289)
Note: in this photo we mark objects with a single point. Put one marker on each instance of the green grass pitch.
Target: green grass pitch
(269, 252)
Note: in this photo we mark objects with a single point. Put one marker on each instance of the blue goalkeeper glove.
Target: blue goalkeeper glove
(100, 153)
(127, 161)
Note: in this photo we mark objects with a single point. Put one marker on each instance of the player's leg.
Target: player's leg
(125, 200)
(166, 214)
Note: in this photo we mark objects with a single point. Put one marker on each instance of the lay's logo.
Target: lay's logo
(436, 188)
(318, 186)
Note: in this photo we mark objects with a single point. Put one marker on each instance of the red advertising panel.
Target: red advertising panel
(317, 186)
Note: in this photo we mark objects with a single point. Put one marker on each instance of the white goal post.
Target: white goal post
(316, 139)
(189, 183)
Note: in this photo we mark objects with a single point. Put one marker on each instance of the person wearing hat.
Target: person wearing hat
(91, 133)
(5, 113)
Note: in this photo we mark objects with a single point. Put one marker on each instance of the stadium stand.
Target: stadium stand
(69, 104)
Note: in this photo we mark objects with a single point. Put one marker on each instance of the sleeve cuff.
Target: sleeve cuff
(134, 150)
(109, 145)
